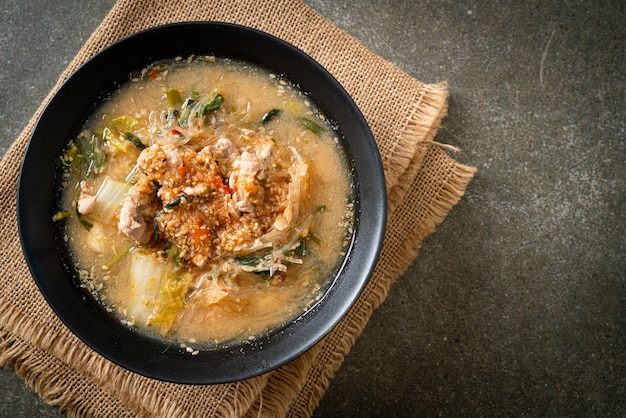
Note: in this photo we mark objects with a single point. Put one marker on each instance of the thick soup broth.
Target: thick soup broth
(206, 201)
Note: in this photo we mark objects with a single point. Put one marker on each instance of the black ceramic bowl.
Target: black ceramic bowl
(47, 255)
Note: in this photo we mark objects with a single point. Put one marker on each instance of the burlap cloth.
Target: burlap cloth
(423, 184)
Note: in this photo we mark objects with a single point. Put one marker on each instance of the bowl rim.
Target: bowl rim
(78, 97)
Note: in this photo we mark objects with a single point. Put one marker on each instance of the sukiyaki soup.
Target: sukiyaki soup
(206, 202)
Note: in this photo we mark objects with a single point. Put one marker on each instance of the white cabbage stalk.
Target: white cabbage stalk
(147, 277)
(108, 200)
(97, 237)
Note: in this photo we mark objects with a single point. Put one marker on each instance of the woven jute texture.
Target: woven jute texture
(423, 183)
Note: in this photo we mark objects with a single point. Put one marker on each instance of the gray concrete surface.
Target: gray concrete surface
(516, 306)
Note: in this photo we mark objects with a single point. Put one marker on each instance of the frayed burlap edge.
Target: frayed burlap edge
(423, 121)
(41, 373)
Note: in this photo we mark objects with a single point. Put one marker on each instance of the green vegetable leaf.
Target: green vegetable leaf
(248, 260)
(212, 105)
(60, 215)
(173, 97)
(130, 137)
(175, 202)
(313, 237)
(302, 249)
(89, 154)
(310, 125)
(156, 235)
(86, 224)
(269, 116)
(118, 256)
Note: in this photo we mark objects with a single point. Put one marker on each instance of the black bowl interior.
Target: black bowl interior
(67, 112)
